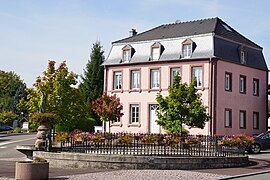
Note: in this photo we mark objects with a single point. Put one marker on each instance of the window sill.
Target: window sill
(228, 126)
(117, 124)
(135, 90)
(159, 89)
(134, 125)
(117, 91)
(228, 90)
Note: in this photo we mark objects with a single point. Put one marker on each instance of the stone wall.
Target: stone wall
(80, 160)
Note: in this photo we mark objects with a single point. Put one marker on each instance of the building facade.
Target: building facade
(230, 70)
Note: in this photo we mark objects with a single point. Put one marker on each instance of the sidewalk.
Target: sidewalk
(7, 171)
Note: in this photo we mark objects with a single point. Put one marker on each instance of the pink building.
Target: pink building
(230, 70)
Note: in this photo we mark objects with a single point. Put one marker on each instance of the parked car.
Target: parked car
(261, 142)
(5, 128)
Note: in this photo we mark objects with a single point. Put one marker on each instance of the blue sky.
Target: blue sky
(33, 31)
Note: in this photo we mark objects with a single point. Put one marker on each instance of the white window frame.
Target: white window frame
(173, 72)
(228, 118)
(134, 113)
(256, 83)
(155, 78)
(135, 79)
(243, 57)
(242, 84)
(242, 119)
(228, 81)
(117, 80)
(197, 74)
(126, 55)
(187, 50)
(256, 120)
(155, 53)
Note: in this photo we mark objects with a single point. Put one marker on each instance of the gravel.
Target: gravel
(145, 175)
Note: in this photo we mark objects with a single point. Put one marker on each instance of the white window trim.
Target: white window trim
(155, 55)
(137, 84)
(117, 82)
(172, 70)
(256, 87)
(136, 113)
(242, 119)
(155, 83)
(197, 71)
(256, 120)
(126, 55)
(187, 52)
(228, 83)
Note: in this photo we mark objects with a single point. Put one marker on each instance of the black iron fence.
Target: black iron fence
(145, 144)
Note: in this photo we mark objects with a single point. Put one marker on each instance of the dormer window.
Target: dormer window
(126, 55)
(187, 47)
(155, 53)
(243, 57)
(156, 50)
(186, 50)
(128, 52)
(242, 54)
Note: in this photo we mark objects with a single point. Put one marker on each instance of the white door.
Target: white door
(154, 127)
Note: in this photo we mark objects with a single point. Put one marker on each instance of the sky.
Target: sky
(35, 31)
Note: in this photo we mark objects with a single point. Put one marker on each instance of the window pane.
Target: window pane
(117, 80)
(242, 119)
(255, 120)
(135, 79)
(155, 78)
(174, 72)
(242, 84)
(197, 75)
(155, 53)
(187, 50)
(255, 87)
(134, 113)
(127, 54)
(228, 78)
(227, 118)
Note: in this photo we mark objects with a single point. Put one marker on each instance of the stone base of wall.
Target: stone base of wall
(80, 160)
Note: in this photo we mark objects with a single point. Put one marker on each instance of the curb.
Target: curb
(246, 175)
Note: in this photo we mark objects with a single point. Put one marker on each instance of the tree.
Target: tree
(92, 80)
(55, 93)
(8, 117)
(12, 89)
(107, 107)
(183, 105)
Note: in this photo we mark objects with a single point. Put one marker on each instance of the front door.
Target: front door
(154, 127)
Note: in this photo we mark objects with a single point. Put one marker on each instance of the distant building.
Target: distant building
(230, 70)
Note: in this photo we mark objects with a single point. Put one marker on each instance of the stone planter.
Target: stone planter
(32, 170)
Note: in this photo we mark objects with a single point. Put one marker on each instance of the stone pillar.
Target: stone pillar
(41, 137)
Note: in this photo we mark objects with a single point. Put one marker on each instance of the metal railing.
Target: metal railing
(146, 145)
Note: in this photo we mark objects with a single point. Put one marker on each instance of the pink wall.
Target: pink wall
(145, 96)
(236, 101)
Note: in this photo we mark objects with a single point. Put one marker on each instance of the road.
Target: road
(9, 142)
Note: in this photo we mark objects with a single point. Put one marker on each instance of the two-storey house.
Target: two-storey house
(230, 70)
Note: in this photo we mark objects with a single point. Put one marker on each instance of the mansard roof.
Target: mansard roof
(204, 26)
(211, 38)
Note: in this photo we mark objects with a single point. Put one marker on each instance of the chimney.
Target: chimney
(132, 32)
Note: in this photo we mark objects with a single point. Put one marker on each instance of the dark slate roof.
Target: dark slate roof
(204, 26)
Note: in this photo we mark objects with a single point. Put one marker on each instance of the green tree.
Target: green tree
(183, 105)
(108, 108)
(12, 89)
(55, 93)
(8, 117)
(92, 80)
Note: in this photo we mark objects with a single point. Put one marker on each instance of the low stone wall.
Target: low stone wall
(80, 160)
